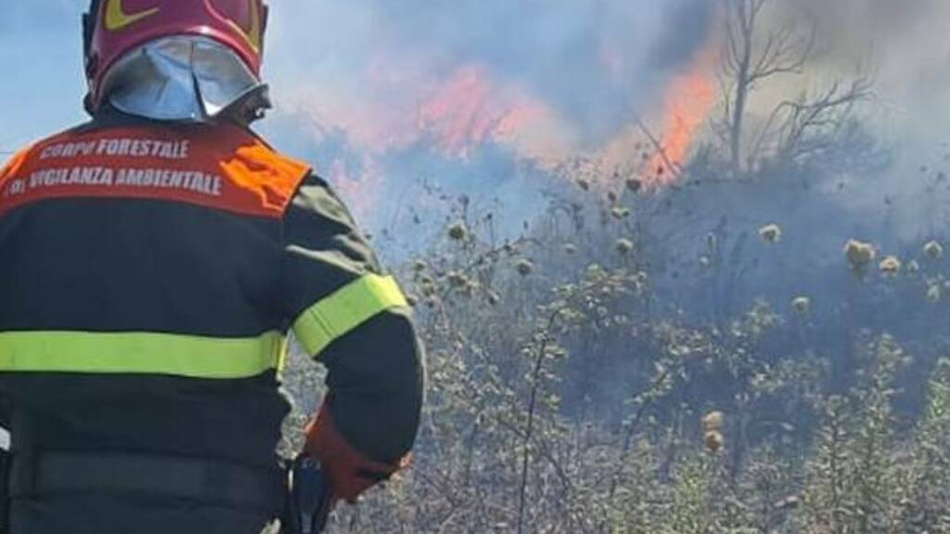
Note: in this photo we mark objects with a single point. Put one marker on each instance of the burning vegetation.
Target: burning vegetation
(644, 353)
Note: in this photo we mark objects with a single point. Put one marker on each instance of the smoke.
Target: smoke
(587, 60)
(463, 86)
(485, 96)
(904, 46)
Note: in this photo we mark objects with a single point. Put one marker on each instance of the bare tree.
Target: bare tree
(808, 125)
(749, 59)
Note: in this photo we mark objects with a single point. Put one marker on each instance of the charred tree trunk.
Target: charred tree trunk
(745, 13)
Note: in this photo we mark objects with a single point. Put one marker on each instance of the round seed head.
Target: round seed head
(934, 250)
(457, 231)
(801, 305)
(525, 267)
(859, 254)
(890, 266)
(714, 442)
(771, 233)
(713, 421)
(624, 246)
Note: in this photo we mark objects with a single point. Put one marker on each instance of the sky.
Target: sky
(489, 95)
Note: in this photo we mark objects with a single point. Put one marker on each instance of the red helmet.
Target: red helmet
(114, 27)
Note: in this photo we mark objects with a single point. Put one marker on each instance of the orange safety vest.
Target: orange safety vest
(222, 166)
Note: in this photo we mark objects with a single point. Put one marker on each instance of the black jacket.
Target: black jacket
(139, 264)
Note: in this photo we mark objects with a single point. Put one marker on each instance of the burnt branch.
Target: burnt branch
(809, 124)
(750, 58)
(676, 169)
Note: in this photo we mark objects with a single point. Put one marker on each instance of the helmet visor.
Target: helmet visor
(179, 78)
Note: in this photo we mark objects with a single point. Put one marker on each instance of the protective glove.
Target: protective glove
(350, 472)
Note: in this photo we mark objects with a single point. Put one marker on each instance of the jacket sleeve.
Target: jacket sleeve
(345, 311)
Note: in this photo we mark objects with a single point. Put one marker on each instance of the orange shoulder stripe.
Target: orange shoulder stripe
(217, 166)
(14, 164)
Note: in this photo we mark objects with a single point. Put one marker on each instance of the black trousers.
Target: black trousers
(234, 420)
(127, 514)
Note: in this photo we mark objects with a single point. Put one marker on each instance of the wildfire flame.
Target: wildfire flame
(687, 104)
(471, 109)
(461, 113)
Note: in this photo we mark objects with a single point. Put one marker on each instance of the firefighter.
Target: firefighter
(152, 261)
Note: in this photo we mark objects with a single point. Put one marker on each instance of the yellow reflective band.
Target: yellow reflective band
(139, 353)
(349, 307)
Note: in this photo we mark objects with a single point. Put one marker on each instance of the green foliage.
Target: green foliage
(855, 480)
(732, 425)
(574, 388)
(927, 480)
(510, 444)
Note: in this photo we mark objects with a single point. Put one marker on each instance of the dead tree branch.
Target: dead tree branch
(676, 169)
(806, 119)
(749, 60)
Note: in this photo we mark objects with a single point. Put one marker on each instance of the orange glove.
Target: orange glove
(350, 472)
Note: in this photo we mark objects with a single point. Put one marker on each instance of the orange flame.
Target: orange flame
(687, 104)
(471, 109)
(463, 112)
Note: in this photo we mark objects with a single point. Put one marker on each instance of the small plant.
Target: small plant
(890, 266)
(859, 254)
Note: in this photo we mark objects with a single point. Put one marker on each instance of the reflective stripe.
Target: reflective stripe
(349, 307)
(139, 353)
